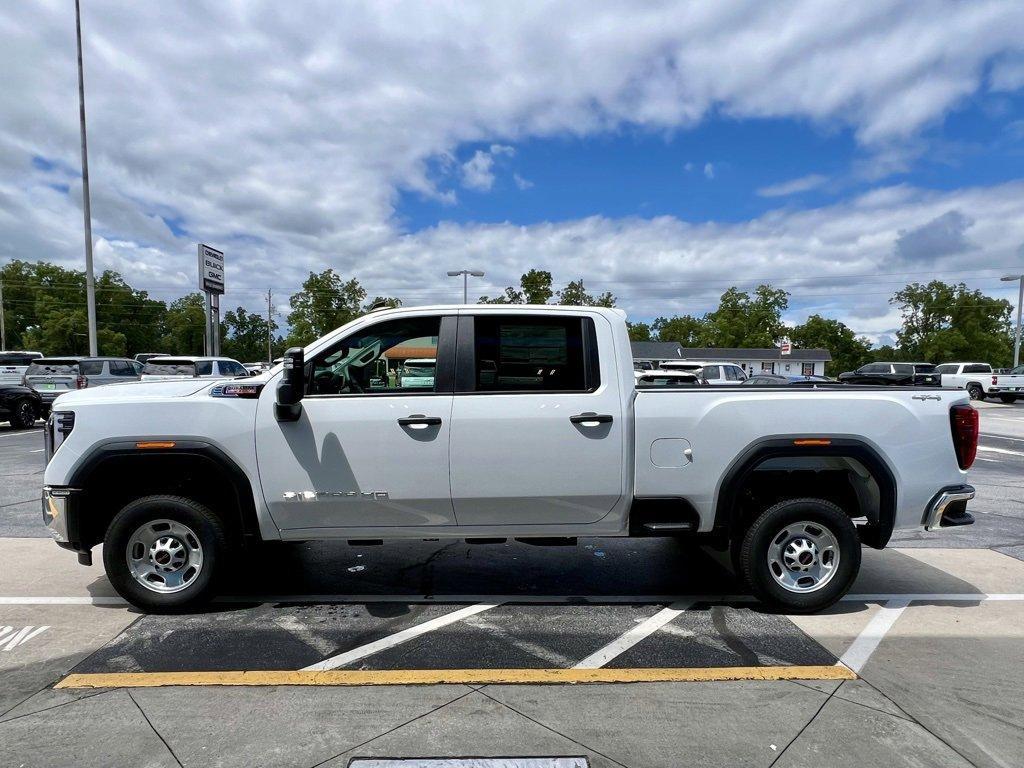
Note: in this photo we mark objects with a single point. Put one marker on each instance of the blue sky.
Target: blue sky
(661, 151)
(720, 170)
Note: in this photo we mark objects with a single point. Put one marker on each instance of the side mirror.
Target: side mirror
(288, 406)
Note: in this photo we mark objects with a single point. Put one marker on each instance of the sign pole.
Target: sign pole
(207, 332)
(211, 280)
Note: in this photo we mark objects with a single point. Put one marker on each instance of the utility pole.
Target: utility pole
(270, 329)
(90, 282)
(1020, 300)
(3, 329)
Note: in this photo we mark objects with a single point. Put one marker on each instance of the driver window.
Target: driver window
(386, 358)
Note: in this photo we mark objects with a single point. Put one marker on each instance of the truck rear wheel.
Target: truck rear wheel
(800, 555)
(975, 392)
(161, 553)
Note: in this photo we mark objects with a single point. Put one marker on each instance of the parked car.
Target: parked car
(144, 357)
(419, 373)
(13, 365)
(900, 374)
(669, 379)
(782, 380)
(53, 376)
(171, 368)
(255, 369)
(20, 406)
(715, 374)
(980, 381)
(177, 479)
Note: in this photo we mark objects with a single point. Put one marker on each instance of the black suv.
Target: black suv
(922, 374)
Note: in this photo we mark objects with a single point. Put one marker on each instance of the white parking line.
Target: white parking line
(1004, 437)
(867, 641)
(624, 642)
(398, 638)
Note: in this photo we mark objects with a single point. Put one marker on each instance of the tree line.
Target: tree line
(44, 308)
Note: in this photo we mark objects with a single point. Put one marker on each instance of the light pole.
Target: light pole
(90, 282)
(1020, 300)
(465, 280)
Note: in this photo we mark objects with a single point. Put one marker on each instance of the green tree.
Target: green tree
(246, 336)
(639, 331)
(687, 330)
(534, 288)
(574, 294)
(742, 320)
(185, 326)
(951, 322)
(849, 351)
(324, 303)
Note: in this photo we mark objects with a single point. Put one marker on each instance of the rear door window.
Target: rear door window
(121, 368)
(904, 368)
(946, 368)
(977, 368)
(712, 372)
(533, 354)
(204, 368)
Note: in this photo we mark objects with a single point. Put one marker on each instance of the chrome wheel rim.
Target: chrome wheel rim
(164, 556)
(26, 414)
(803, 557)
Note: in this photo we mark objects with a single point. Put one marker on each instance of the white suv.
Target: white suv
(714, 373)
(13, 365)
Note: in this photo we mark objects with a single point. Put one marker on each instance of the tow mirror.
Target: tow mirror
(289, 392)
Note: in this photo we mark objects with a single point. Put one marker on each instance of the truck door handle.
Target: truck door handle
(419, 421)
(591, 419)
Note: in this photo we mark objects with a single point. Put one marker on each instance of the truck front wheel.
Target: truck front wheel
(161, 553)
(800, 555)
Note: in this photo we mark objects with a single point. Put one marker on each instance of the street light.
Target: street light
(1020, 300)
(465, 280)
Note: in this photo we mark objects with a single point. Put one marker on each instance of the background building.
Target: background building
(807, 362)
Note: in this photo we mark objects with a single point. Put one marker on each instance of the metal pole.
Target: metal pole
(1016, 341)
(90, 283)
(465, 287)
(270, 332)
(208, 333)
(215, 322)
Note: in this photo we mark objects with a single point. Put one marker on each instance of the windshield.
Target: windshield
(169, 368)
(53, 368)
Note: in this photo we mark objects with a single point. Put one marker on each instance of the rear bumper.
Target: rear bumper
(949, 508)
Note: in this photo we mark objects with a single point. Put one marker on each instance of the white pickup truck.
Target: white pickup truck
(532, 429)
(980, 381)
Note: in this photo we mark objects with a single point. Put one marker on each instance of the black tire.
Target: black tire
(23, 415)
(1008, 398)
(754, 549)
(208, 530)
(975, 392)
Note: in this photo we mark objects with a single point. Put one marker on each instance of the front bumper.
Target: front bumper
(60, 516)
(949, 508)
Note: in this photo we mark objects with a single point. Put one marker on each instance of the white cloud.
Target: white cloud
(521, 183)
(793, 186)
(286, 135)
(709, 170)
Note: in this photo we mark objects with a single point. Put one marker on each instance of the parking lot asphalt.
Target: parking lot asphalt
(328, 653)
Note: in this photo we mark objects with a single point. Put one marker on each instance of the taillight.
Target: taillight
(995, 380)
(81, 382)
(963, 423)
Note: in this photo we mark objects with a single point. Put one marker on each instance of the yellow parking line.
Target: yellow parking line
(439, 676)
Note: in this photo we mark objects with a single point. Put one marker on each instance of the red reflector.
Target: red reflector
(963, 423)
(81, 382)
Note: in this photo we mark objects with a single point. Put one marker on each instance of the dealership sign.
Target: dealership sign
(211, 269)
(785, 347)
